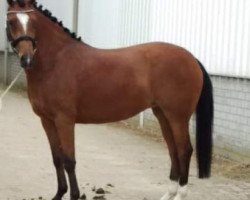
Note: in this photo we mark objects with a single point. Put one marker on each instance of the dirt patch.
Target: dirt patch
(231, 168)
(153, 134)
(128, 164)
(222, 165)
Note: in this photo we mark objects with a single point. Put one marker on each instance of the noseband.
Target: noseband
(15, 42)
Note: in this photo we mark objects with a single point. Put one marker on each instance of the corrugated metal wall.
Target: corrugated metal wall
(215, 31)
(98, 22)
(135, 22)
(115, 23)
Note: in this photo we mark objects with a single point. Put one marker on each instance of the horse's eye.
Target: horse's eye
(10, 23)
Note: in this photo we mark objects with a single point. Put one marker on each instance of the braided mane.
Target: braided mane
(49, 15)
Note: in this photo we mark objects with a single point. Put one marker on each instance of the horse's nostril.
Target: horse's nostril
(26, 61)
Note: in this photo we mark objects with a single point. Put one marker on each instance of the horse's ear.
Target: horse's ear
(10, 2)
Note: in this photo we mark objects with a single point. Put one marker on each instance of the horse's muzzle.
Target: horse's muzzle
(26, 61)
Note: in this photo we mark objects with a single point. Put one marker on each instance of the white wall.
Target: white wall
(62, 9)
(215, 31)
(98, 22)
(3, 7)
(135, 22)
(114, 23)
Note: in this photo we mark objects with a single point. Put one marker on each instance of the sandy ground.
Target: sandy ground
(137, 166)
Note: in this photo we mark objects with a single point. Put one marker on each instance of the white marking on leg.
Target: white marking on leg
(24, 19)
(172, 190)
(182, 193)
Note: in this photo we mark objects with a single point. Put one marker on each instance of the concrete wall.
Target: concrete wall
(232, 115)
(12, 70)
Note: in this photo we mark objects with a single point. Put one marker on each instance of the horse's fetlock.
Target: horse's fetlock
(63, 190)
(69, 164)
(75, 195)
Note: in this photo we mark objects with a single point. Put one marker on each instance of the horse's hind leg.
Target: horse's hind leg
(65, 128)
(168, 136)
(54, 142)
(180, 126)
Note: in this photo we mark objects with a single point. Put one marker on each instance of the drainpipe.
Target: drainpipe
(5, 66)
(6, 52)
(142, 120)
(75, 16)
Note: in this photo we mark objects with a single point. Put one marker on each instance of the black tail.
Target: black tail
(204, 126)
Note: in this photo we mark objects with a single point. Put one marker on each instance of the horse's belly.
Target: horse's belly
(104, 118)
(106, 113)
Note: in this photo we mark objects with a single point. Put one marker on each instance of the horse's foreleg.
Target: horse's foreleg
(175, 170)
(66, 134)
(54, 142)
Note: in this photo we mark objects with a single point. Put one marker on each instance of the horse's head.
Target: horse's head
(20, 30)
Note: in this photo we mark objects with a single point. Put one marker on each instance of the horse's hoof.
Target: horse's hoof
(75, 197)
(182, 193)
(57, 198)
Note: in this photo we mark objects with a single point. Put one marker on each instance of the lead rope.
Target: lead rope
(9, 88)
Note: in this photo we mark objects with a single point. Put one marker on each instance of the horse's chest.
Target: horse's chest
(37, 105)
(37, 102)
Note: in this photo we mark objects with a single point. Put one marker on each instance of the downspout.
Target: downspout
(75, 16)
(5, 68)
(6, 52)
(142, 120)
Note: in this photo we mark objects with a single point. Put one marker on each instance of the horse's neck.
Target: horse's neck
(51, 40)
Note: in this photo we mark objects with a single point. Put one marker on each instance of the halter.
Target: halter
(15, 42)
